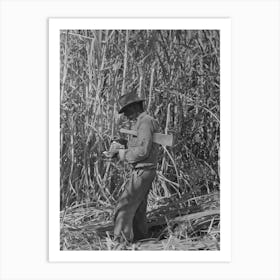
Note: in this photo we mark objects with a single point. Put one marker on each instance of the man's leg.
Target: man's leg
(140, 227)
(136, 192)
(124, 215)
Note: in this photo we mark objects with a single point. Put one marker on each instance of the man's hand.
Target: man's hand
(114, 149)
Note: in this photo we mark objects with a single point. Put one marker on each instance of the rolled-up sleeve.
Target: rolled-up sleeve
(143, 146)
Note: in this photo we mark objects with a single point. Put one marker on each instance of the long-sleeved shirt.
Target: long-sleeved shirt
(141, 151)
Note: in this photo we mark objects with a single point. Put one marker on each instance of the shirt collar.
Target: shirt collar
(140, 117)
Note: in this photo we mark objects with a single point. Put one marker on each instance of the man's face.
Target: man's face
(130, 112)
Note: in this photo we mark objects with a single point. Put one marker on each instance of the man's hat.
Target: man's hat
(128, 99)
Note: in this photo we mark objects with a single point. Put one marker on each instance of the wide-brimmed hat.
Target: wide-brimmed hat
(128, 99)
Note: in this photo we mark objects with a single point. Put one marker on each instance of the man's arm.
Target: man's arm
(143, 144)
(158, 138)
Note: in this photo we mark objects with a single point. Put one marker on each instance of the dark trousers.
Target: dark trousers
(130, 216)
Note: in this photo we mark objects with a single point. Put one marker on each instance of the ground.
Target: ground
(175, 223)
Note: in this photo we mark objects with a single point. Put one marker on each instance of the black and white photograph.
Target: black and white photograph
(126, 183)
(140, 139)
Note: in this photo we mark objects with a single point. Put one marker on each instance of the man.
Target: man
(141, 153)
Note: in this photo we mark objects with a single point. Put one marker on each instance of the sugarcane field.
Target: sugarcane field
(140, 140)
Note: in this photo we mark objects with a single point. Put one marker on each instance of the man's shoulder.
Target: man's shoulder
(148, 117)
(149, 120)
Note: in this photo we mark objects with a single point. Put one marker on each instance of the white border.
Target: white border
(224, 255)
